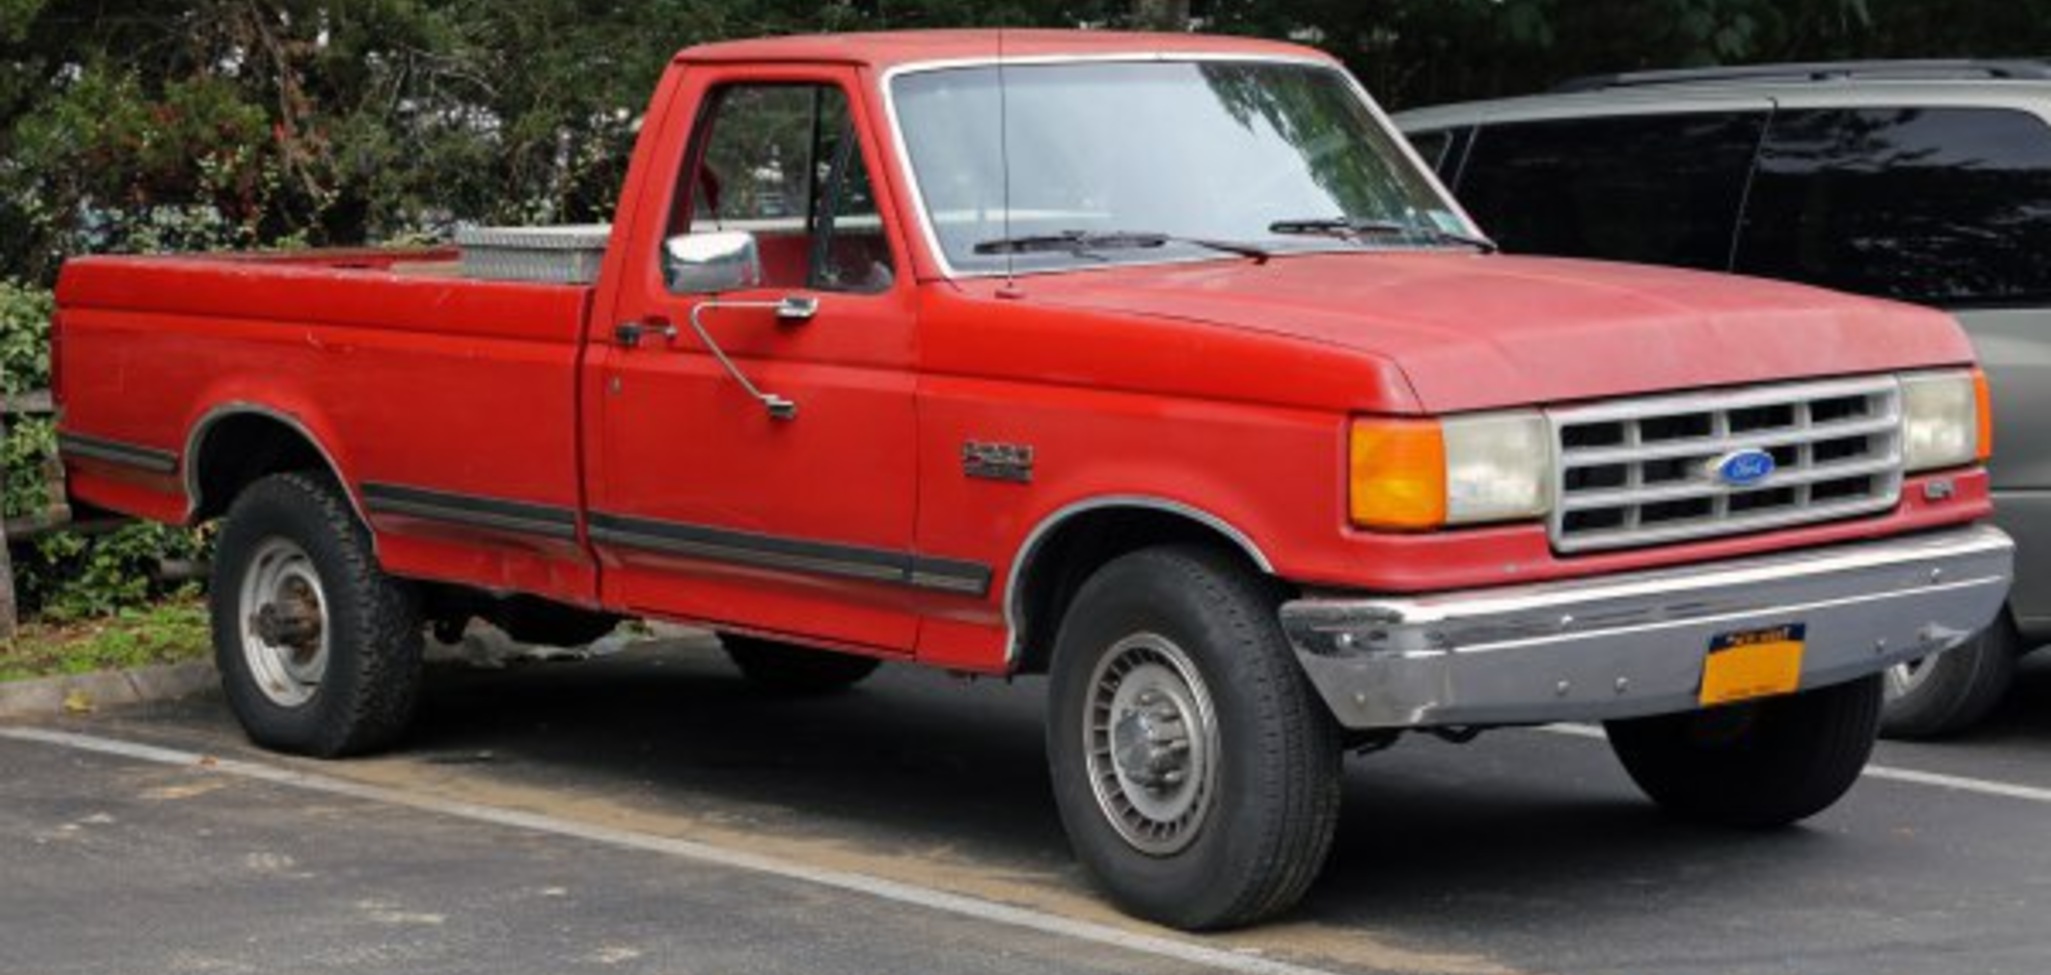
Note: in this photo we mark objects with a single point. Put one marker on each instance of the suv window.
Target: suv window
(783, 161)
(1442, 149)
(1431, 147)
(1944, 206)
(1662, 189)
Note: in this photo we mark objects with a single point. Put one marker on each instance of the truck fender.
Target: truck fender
(1015, 591)
(195, 442)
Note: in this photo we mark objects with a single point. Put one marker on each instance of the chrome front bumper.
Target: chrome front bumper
(1631, 645)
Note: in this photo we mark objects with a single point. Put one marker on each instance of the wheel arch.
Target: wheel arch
(234, 444)
(1070, 544)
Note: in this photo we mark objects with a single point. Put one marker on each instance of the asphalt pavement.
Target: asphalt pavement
(649, 812)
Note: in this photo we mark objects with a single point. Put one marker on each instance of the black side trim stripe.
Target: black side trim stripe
(467, 509)
(115, 452)
(825, 558)
(953, 575)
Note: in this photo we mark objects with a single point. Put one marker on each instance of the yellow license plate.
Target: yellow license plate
(1753, 663)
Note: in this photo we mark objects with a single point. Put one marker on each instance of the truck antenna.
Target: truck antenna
(1009, 289)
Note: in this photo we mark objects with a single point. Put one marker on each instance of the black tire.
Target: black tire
(787, 669)
(1247, 838)
(364, 696)
(1952, 691)
(1756, 765)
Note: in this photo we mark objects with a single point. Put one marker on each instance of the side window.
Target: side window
(1653, 189)
(784, 162)
(1432, 146)
(1442, 149)
(1947, 206)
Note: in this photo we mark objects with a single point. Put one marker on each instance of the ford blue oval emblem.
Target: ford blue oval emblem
(1743, 468)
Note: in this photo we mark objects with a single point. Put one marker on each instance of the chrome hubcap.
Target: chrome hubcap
(284, 623)
(1152, 743)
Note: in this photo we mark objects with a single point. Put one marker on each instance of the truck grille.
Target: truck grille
(1643, 471)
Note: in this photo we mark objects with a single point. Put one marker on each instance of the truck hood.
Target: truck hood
(1474, 332)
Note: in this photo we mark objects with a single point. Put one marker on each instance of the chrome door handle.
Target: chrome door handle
(797, 308)
(630, 334)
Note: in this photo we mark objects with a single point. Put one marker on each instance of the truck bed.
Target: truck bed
(404, 372)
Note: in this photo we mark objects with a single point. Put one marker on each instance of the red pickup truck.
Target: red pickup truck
(1156, 364)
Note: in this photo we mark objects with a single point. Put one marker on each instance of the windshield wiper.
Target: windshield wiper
(1351, 228)
(1085, 243)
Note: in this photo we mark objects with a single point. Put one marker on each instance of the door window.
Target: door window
(784, 162)
(1654, 189)
(1945, 206)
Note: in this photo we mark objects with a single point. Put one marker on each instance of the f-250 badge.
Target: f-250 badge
(997, 461)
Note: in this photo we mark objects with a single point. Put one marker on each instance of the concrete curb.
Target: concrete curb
(46, 696)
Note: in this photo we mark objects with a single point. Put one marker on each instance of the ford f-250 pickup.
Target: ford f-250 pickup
(1156, 364)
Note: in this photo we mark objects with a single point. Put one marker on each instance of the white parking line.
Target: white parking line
(939, 900)
(1957, 783)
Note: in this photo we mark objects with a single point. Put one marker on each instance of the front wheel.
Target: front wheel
(319, 650)
(1195, 769)
(1759, 764)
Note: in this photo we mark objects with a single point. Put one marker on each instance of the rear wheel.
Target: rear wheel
(1195, 769)
(319, 650)
(788, 669)
(1759, 764)
(1949, 692)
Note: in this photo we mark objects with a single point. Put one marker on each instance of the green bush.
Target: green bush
(66, 575)
(25, 366)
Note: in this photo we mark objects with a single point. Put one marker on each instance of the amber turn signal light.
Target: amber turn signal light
(1397, 474)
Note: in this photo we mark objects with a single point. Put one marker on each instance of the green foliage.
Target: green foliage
(24, 338)
(68, 576)
(30, 444)
(165, 633)
(25, 366)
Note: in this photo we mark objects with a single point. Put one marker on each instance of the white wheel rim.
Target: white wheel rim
(1151, 744)
(285, 632)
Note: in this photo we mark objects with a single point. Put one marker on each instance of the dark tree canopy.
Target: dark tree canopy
(172, 124)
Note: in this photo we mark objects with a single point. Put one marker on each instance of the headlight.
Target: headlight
(1417, 474)
(1944, 419)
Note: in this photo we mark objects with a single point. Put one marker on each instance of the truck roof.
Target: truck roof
(883, 50)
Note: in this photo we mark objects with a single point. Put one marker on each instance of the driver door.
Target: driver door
(709, 500)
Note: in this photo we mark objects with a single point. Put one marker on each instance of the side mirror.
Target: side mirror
(709, 263)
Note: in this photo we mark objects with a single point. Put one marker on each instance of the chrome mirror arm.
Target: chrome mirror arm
(789, 309)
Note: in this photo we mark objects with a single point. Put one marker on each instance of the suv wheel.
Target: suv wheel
(1949, 692)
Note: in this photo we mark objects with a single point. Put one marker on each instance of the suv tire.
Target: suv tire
(1946, 693)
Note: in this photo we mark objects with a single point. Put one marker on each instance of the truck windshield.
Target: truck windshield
(1179, 154)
